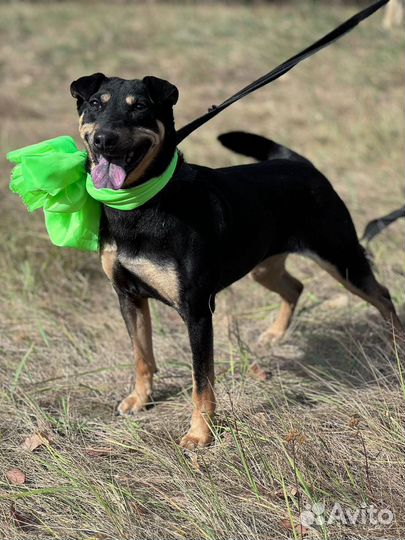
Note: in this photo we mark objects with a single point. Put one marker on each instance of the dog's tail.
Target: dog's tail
(257, 147)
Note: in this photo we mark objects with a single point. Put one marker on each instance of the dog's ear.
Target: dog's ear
(160, 91)
(83, 88)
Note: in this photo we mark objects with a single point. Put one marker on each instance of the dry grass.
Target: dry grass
(327, 421)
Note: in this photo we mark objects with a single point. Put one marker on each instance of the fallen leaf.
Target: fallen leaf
(15, 476)
(286, 524)
(302, 531)
(291, 492)
(25, 522)
(39, 438)
(101, 451)
(354, 421)
(258, 372)
(294, 436)
(298, 528)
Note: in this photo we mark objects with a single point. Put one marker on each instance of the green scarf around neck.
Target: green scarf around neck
(52, 175)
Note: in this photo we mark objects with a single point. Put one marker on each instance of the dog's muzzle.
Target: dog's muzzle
(116, 158)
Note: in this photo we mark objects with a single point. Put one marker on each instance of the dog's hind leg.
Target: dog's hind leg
(271, 273)
(137, 319)
(352, 269)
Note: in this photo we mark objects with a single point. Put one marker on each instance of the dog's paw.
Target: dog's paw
(271, 336)
(193, 440)
(132, 404)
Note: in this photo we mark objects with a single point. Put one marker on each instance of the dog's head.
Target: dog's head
(124, 125)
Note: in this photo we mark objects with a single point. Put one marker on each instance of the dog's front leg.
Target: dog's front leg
(201, 340)
(137, 319)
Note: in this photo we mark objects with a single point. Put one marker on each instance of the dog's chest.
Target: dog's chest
(160, 276)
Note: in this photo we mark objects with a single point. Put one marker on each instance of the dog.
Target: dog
(376, 226)
(206, 229)
(394, 13)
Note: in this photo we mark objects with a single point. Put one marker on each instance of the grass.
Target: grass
(326, 425)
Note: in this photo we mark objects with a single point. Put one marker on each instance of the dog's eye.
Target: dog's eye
(95, 104)
(139, 106)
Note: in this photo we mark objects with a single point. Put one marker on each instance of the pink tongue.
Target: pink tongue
(100, 174)
(117, 176)
(108, 175)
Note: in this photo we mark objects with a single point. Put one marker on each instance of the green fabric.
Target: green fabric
(129, 199)
(52, 175)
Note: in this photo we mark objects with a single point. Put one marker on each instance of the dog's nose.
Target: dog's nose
(105, 140)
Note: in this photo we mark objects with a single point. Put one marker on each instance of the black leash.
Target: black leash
(277, 72)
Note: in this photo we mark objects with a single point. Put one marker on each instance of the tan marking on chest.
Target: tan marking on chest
(108, 258)
(161, 277)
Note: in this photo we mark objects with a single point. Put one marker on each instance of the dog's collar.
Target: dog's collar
(131, 198)
(52, 175)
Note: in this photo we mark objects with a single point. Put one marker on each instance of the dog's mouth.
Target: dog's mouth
(111, 171)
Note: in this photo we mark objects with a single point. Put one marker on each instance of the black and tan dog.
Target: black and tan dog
(206, 229)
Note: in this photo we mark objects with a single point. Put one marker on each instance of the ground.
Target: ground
(319, 417)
